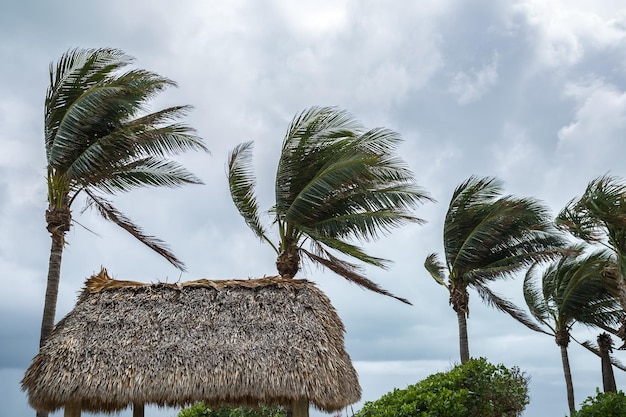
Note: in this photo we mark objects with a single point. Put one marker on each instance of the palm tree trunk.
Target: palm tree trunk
(459, 300)
(463, 339)
(59, 221)
(608, 378)
(605, 345)
(52, 288)
(568, 379)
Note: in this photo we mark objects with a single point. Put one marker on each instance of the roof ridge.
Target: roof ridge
(103, 281)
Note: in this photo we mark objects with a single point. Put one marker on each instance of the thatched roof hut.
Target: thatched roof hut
(268, 340)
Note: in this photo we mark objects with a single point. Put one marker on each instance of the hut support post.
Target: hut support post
(300, 408)
(138, 410)
(71, 410)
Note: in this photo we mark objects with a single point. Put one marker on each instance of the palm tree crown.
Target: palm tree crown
(99, 139)
(335, 182)
(599, 217)
(487, 237)
(572, 290)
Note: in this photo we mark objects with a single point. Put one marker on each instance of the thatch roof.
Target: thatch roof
(245, 342)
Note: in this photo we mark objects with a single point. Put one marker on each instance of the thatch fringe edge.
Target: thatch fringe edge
(102, 281)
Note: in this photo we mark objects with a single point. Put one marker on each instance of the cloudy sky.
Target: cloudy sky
(530, 91)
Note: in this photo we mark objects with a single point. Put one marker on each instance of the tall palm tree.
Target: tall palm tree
(488, 237)
(599, 217)
(100, 140)
(335, 182)
(571, 290)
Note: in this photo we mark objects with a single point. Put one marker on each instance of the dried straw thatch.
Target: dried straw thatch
(245, 342)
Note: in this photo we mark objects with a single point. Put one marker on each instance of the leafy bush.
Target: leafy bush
(201, 410)
(604, 404)
(473, 389)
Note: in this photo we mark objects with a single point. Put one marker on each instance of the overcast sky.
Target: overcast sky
(530, 91)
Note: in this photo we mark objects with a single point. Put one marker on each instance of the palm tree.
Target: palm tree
(605, 347)
(488, 237)
(599, 217)
(335, 182)
(100, 141)
(571, 290)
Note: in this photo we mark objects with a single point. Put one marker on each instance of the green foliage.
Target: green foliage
(201, 410)
(604, 404)
(473, 389)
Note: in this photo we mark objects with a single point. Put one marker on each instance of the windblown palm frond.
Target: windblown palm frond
(494, 300)
(600, 213)
(242, 182)
(110, 213)
(436, 269)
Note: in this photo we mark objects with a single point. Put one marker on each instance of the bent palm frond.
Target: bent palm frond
(110, 213)
(241, 182)
(347, 271)
(148, 171)
(436, 269)
(506, 306)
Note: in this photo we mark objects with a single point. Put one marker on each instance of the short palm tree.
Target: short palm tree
(599, 217)
(571, 290)
(488, 237)
(335, 182)
(99, 141)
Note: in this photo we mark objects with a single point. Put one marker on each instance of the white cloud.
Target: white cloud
(470, 86)
(565, 30)
(598, 126)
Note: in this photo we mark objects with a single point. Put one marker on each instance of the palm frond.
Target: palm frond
(342, 247)
(126, 146)
(506, 306)
(110, 213)
(149, 171)
(347, 271)
(75, 72)
(436, 269)
(241, 182)
(351, 187)
(509, 234)
(312, 138)
(534, 296)
(599, 213)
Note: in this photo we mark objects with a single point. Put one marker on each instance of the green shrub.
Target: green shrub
(473, 389)
(201, 410)
(604, 404)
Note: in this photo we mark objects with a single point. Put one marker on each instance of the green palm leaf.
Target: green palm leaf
(108, 212)
(436, 269)
(242, 182)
